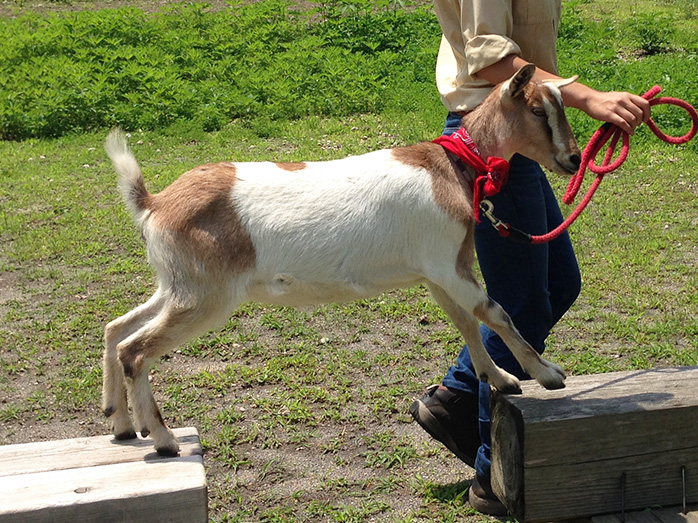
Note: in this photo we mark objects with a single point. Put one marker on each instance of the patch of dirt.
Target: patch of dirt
(9, 291)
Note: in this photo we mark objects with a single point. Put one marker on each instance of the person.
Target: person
(485, 42)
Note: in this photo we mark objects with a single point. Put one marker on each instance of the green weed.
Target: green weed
(77, 72)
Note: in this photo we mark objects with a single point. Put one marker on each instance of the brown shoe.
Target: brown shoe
(483, 500)
(450, 417)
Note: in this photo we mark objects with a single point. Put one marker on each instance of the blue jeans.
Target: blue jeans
(535, 284)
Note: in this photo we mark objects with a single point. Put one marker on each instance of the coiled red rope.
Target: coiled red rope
(612, 133)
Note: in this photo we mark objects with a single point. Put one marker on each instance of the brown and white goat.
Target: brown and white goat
(311, 233)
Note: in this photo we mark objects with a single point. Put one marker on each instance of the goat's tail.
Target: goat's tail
(131, 182)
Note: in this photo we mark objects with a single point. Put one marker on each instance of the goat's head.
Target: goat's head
(535, 115)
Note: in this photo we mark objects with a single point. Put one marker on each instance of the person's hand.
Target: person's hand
(625, 110)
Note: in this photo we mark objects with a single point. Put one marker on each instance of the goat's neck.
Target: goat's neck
(490, 131)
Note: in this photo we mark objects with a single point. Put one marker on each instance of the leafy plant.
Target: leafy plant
(91, 70)
(651, 33)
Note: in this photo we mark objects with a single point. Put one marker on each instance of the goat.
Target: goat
(310, 233)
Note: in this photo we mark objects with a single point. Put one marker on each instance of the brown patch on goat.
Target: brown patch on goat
(298, 166)
(198, 212)
(493, 312)
(131, 356)
(139, 194)
(451, 192)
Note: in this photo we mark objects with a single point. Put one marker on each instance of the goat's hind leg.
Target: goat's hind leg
(172, 327)
(114, 398)
(486, 369)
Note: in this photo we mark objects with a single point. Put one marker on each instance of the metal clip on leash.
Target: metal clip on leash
(504, 229)
(487, 208)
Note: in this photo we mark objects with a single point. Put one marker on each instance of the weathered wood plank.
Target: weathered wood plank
(101, 479)
(643, 516)
(612, 393)
(507, 469)
(560, 454)
(171, 490)
(44, 456)
(606, 518)
(609, 394)
(610, 436)
(566, 490)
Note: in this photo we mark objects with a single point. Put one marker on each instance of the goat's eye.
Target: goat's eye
(538, 111)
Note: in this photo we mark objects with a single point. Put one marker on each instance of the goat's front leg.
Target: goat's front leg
(468, 294)
(485, 368)
(548, 374)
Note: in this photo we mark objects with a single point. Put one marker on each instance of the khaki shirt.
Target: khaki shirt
(479, 33)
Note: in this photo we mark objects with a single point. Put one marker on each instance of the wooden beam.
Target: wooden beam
(567, 454)
(101, 479)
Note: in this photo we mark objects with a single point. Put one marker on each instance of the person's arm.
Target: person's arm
(625, 110)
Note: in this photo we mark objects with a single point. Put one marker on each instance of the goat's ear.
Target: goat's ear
(563, 82)
(514, 86)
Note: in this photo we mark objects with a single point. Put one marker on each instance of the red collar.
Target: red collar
(491, 175)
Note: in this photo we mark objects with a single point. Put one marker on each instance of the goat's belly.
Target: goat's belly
(285, 289)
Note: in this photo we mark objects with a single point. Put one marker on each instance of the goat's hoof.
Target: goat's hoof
(510, 389)
(554, 384)
(552, 377)
(121, 427)
(145, 432)
(505, 382)
(169, 451)
(129, 434)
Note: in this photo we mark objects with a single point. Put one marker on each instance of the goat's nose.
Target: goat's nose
(575, 160)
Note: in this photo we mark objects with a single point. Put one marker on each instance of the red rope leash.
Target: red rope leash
(598, 140)
(607, 132)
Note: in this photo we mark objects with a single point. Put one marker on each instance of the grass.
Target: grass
(188, 63)
(303, 414)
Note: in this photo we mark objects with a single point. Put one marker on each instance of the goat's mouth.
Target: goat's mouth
(565, 168)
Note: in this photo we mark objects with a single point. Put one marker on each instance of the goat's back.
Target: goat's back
(318, 230)
(367, 221)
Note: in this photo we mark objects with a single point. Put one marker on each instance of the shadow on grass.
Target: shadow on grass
(450, 493)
